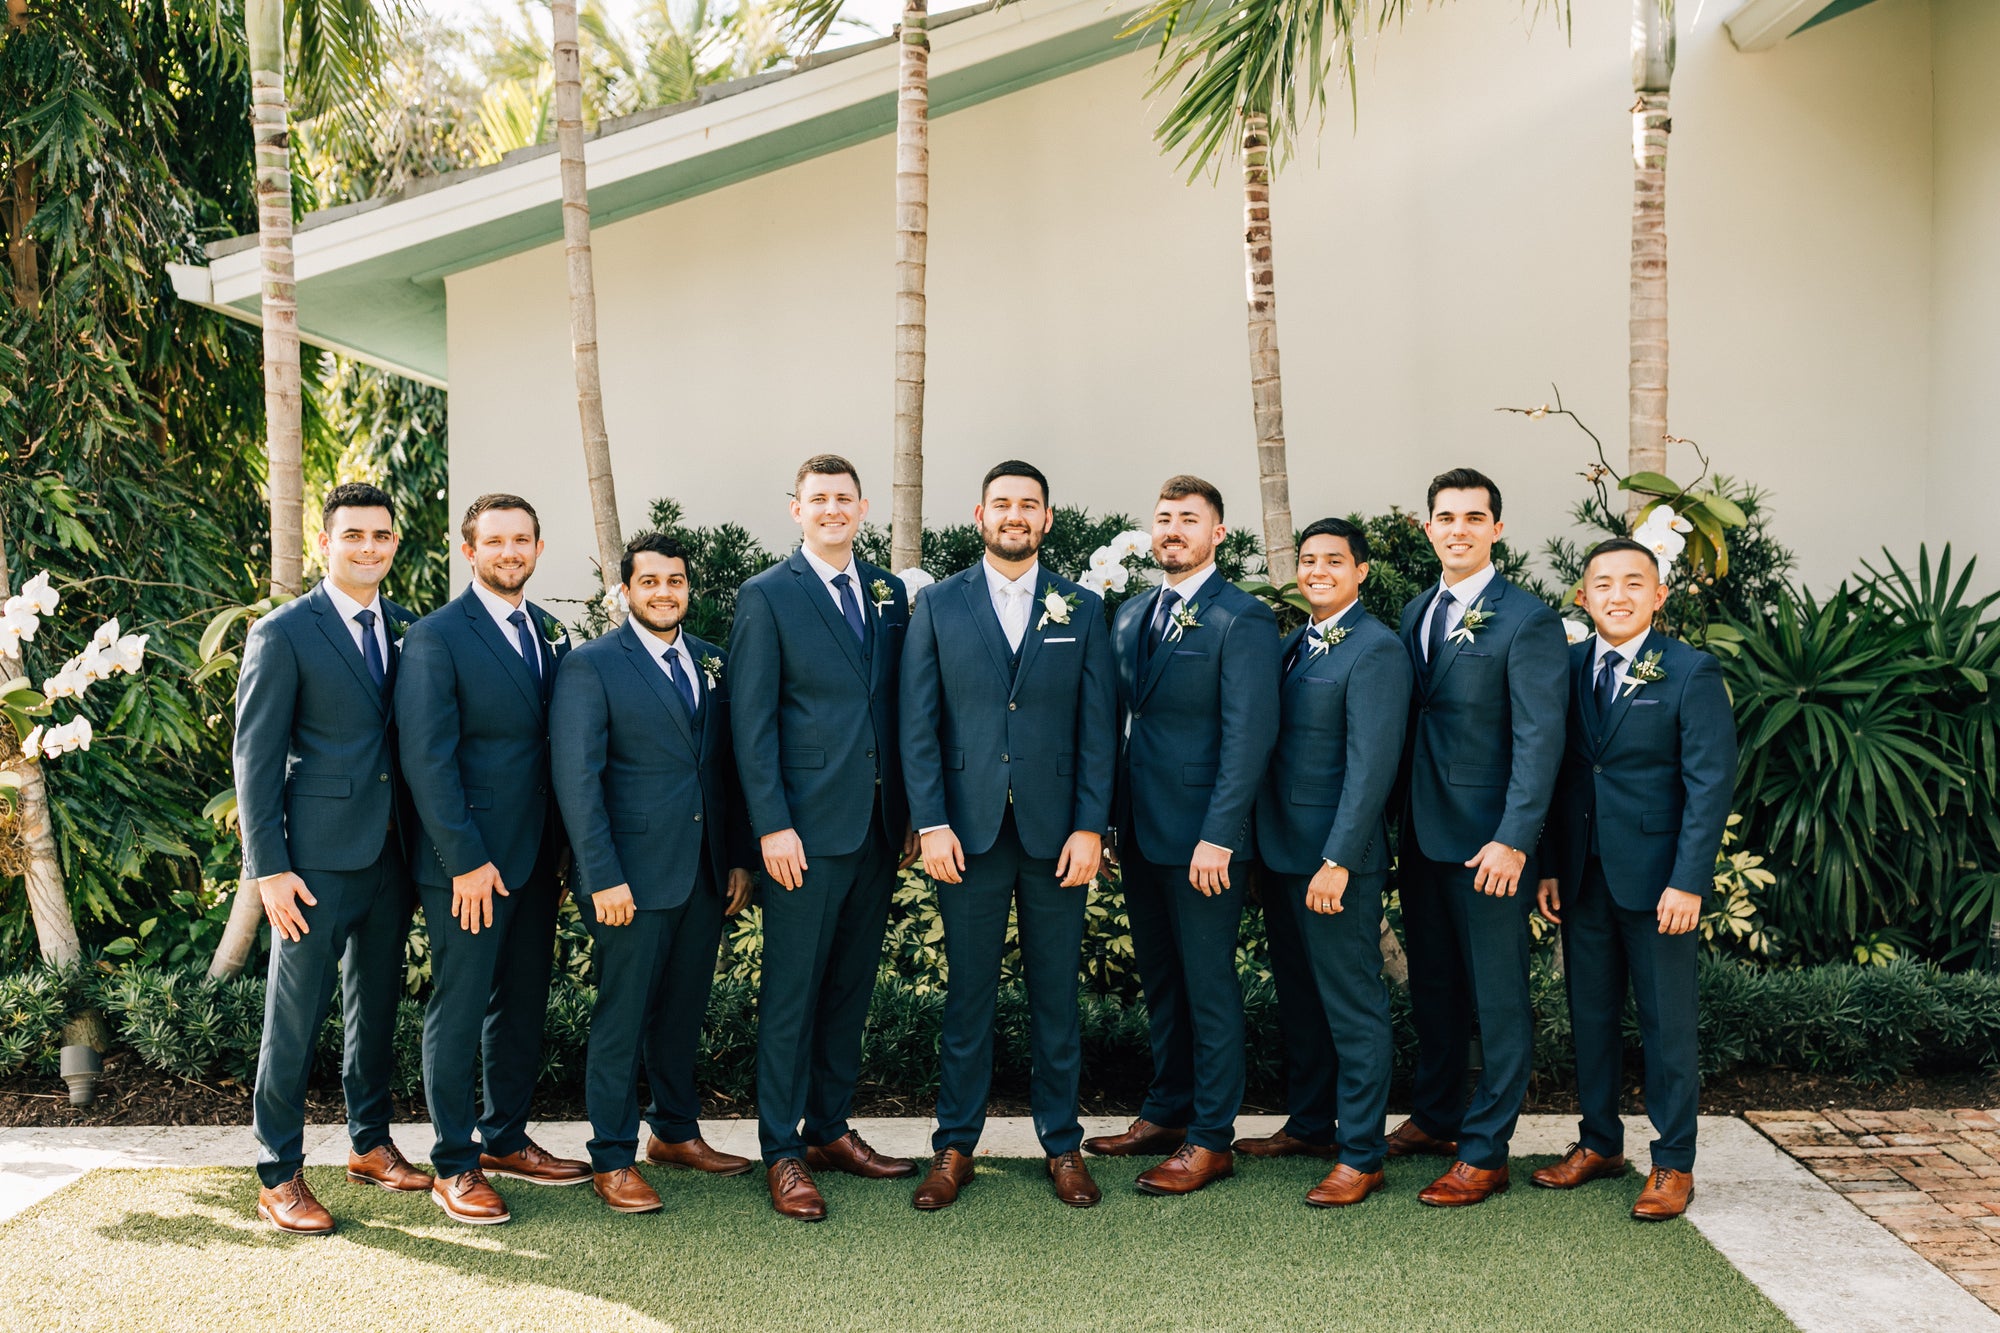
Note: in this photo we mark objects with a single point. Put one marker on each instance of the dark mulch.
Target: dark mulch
(131, 1094)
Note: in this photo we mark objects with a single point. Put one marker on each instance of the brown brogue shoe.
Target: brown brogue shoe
(793, 1193)
(1343, 1186)
(1142, 1138)
(1463, 1186)
(386, 1166)
(1407, 1140)
(851, 1154)
(1281, 1144)
(537, 1166)
(951, 1171)
(1190, 1168)
(1665, 1197)
(467, 1197)
(695, 1155)
(1579, 1166)
(625, 1191)
(291, 1208)
(1072, 1181)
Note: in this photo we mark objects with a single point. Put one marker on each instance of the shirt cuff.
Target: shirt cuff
(932, 829)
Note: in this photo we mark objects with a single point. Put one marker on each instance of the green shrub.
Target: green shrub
(34, 1005)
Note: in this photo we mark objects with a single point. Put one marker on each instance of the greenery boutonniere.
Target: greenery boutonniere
(880, 593)
(1183, 621)
(1471, 623)
(1645, 671)
(711, 670)
(1055, 609)
(553, 631)
(1326, 639)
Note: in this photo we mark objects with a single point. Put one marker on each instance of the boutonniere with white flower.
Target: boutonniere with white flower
(1645, 671)
(1055, 609)
(711, 670)
(1327, 638)
(881, 594)
(1471, 623)
(554, 632)
(1183, 621)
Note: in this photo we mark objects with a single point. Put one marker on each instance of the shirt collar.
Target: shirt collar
(496, 605)
(1189, 588)
(347, 606)
(825, 571)
(1468, 591)
(1324, 625)
(997, 583)
(1628, 652)
(653, 645)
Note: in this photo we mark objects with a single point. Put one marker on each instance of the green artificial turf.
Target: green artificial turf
(173, 1250)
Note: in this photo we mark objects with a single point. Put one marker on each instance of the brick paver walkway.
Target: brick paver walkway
(1931, 1177)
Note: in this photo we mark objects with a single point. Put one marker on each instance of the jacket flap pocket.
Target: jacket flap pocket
(801, 756)
(321, 784)
(954, 758)
(626, 822)
(479, 798)
(1660, 821)
(1476, 775)
(1313, 793)
(1198, 775)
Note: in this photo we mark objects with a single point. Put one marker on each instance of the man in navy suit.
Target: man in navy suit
(1198, 689)
(472, 694)
(317, 793)
(1640, 806)
(813, 675)
(646, 774)
(1486, 735)
(1324, 850)
(1008, 717)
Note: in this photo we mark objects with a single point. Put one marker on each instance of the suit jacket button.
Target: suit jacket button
(1597, 768)
(1011, 705)
(697, 819)
(871, 754)
(381, 777)
(1003, 758)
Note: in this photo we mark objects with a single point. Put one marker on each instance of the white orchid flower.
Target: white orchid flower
(31, 744)
(20, 618)
(1095, 579)
(80, 732)
(10, 639)
(127, 654)
(1133, 542)
(1116, 577)
(107, 634)
(913, 579)
(1574, 630)
(40, 594)
(69, 683)
(1104, 557)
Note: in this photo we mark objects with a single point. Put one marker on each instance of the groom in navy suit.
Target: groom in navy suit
(813, 677)
(1008, 717)
(1640, 806)
(1486, 735)
(1198, 690)
(472, 692)
(317, 789)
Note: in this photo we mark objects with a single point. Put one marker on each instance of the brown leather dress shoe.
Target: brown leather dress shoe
(536, 1166)
(850, 1154)
(695, 1155)
(386, 1166)
(951, 1171)
(466, 1197)
(291, 1207)
(1343, 1186)
(793, 1193)
(1072, 1181)
(1190, 1168)
(1142, 1138)
(1406, 1140)
(1665, 1197)
(1579, 1166)
(1282, 1144)
(625, 1191)
(1463, 1186)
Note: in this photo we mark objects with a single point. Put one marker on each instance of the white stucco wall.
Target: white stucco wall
(1462, 247)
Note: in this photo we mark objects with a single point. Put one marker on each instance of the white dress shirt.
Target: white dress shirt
(348, 608)
(499, 608)
(1463, 596)
(660, 651)
(1190, 586)
(1628, 653)
(1013, 600)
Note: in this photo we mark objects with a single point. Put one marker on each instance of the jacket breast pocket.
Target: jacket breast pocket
(479, 798)
(1322, 681)
(1475, 655)
(1313, 793)
(1660, 821)
(329, 785)
(1198, 775)
(1646, 703)
(1190, 652)
(1476, 775)
(954, 758)
(801, 756)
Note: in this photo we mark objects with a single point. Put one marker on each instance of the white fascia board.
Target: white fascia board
(1759, 25)
(195, 285)
(610, 158)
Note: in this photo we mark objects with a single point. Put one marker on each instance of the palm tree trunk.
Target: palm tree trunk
(270, 115)
(1652, 77)
(568, 56)
(913, 204)
(1267, 405)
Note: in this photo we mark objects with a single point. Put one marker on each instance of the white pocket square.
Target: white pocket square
(1071, 639)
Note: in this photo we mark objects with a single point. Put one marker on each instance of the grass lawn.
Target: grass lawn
(181, 1250)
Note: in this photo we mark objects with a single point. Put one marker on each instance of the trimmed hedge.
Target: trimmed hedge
(1873, 1024)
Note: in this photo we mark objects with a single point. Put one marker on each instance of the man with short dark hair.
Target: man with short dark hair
(317, 788)
(813, 676)
(1629, 857)
(472, 695)
(645, 770)
(1197, 686)
(1485, 738)
(1323, 845)
(1009, 711)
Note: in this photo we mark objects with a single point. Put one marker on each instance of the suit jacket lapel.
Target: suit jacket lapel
(645, 661)
(1579, 692)
(1163, 652)
(1031, 638)
(1287, 668)
(335, 630)
(1489, 598)
(836, 624)
(700, 650)
(511, 662)
(1621, 704)
(980, 603)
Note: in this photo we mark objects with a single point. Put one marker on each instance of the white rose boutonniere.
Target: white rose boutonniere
(1474, 620)
(881, 594)
(1183, 621)
(1645, 671)
(1055, 609)
(711, 670)
(1326, 639)
(553, 631)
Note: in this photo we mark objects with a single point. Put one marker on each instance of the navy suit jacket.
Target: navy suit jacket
(1486, 727)
(646, 792)
(975, 729)
(474, 726)
(1199, 724)
(814, 712)
(1342, 714)
(315, 751)
(1655, 775)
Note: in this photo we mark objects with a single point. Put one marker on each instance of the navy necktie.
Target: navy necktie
(1607, 681)
(371, 648)
(682, 684)
(1163, 617)
(529, 652)
(850, 607)
(1434, 640)
(1302, 652)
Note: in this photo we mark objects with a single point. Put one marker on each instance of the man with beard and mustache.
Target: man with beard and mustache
(472, 693)
(1198, 685)
(1008, 710)
(646, 773)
